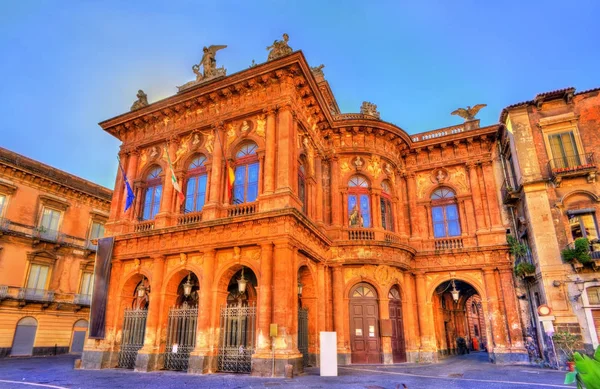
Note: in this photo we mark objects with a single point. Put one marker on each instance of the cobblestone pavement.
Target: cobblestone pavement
(469, 371)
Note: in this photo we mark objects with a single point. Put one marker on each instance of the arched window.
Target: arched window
(152, 194)
(444, 213)
(387, 219)
(245, 185)
(195, 191)
(302, 186)
(359, 209)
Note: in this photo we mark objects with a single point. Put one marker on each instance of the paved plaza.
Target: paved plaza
(469, 371)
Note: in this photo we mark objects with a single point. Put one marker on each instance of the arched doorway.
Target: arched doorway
(364, 325)
(134, 321)
(458, 317)
(238, 323)
(306, 305)
(24, 337)
(79, 331)
(398, 343)
(182, 321)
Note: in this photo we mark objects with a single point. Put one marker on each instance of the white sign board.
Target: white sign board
(329, 366)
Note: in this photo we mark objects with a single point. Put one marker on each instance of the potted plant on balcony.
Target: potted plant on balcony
(579, 254)
(525, 269)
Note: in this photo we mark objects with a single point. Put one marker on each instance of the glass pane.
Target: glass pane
(593, 294)
(439, 230)
(34, 272)
(451, 212)
(155, 173)
(253, 173)
(365, 211)
(437, 213)
(247, 149)
(589, 226)
(453, 228)
(86, 284)
(2, 200)
(201, 192)
(382, 205)
(252, 192)
(575, 224)
(190, 192)
(353, 212)
(197, 162)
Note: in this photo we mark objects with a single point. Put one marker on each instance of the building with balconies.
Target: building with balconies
(263, 216)
(49, 223)
(553, 197)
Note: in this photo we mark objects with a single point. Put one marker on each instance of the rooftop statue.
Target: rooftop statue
(209, 63)
(141, 102)
(469, 113)
(279, 48)
(369, 109)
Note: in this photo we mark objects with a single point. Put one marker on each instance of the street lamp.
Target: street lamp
(187, 287)
(242, 282)
(454, 292)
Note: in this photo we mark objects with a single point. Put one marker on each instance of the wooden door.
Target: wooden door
(398, 345)
(364, 325)
(596, 317)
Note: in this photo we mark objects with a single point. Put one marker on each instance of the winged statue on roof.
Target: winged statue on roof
(208, 62)
(468, 113)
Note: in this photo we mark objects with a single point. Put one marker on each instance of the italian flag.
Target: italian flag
(230, 181)
(174, 180)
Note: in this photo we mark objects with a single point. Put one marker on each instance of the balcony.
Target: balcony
(509, 194)
(189, 218)
(448, 243)
(82, 299)
(572, 166)
(36, 295)
(48, 235)
(143, 226)
(91, 244)
(241, 209)
(573, 253)
(360, 234)
(3, 292)
(4, 225)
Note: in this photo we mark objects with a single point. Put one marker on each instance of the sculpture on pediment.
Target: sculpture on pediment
(279, 48)
(208, 63)
(370, 109)
(141, 102)
(317, 71)
(468, 113)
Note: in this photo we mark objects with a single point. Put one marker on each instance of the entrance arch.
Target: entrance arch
(458, 318)
(79, 331)
(181, 298)
(365, 342)
(398, 341)
(136, 296)
(24, 337)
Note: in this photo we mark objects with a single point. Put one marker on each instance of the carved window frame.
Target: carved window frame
(40, 259)
(7, 190)
(195, 172)
(554, 125)
(54, 203)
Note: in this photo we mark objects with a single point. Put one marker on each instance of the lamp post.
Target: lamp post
(187, 287)
(455, 293)
(141, 289)
(300, 286)
(242, 282)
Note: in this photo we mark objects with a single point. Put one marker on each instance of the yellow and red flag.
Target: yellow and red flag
(230, 181)
(174, 179)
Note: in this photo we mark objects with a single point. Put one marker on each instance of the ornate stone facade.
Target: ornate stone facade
(317, 171)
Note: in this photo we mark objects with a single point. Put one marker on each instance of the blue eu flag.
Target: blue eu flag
(130, 195)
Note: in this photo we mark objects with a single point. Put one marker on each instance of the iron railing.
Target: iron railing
(509, 192)
(236, 344)
(39, 295)
(303, 334)
(134, 330)
(572, 164)
(181, 337)
(593, 249)
(82, 299)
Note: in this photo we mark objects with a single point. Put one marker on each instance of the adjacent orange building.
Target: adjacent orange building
(49, 223)
(296, 219)
(552, 193)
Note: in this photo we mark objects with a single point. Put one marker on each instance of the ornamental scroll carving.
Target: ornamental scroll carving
(384, 275)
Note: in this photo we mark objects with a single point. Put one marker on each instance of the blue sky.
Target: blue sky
(67, 65)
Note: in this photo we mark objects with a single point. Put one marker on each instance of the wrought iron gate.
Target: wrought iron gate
(303, 334)
(236, 343)
(181, 337)
(134, 329)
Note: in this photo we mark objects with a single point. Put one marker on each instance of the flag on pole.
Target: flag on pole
(174, 179)
(230, 181)
(130, 195)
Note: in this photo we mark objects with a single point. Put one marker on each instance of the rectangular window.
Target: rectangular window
(87, 282)
(564, 150)
(252, 182)
(238, 184)
(2, 202)
(439, 228)
(583, 226)
(189, 194)
(452, 219)
(97, 231)
(201, 194)
(365, 211)
(37, 277)
(50, 219)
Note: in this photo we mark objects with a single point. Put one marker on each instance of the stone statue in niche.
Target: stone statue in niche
(245, 127)
(210, 141)
(154, 152)
(355, 219)
(358, 163)
(261, 123)
(195, 139)
(141, 102)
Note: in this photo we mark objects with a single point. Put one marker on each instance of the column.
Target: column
(376, 210)
(386, 341)
(265, 298)
(217, 163)
(147, 357)
(475, 193)
(338, 314)
(484, 195)
(167, 196)
(118, 205)
(286, 150)
(336, 215)
(199, 358)
(132, 166)
(426, 328)
(410, 324)
(412, 206)
(271, 145)
(511, 308)
(498, 328)
(492, 192)
(319, 190)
